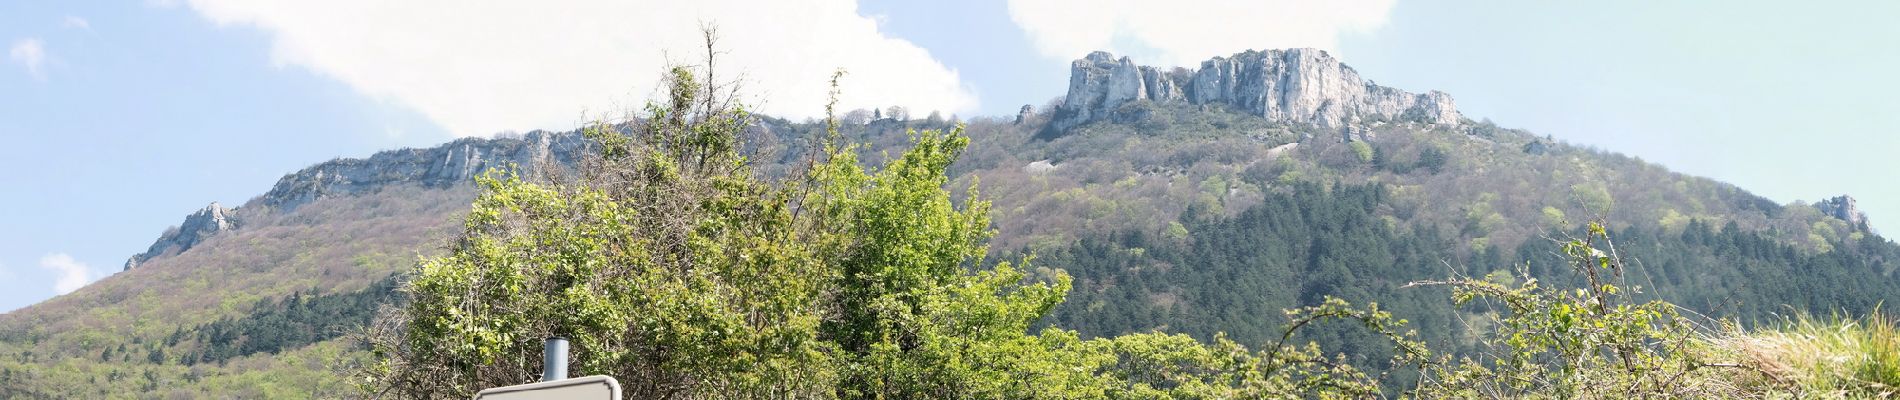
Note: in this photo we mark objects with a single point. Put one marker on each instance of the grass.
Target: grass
(1826, 357)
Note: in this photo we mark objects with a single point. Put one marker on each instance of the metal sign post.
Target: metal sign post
(554, 359)
(554, 383)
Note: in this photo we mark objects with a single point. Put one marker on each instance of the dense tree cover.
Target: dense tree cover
(1734, 273)
(1295, 248)
(276, 325)
(280, 348)
(1312, 241)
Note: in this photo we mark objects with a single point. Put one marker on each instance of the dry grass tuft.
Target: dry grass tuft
(1834, 357)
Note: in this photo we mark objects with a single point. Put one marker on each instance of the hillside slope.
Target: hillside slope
(1190, 201)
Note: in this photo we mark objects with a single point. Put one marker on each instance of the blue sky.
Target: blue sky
(121, 117)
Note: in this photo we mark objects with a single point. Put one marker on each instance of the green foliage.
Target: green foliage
(1432, 158)
(913, 318)
(1589, 342)
(1593, 198)
(1176, 231)
(1157, 365)
(1362, 150)
(1294, 248)
(1554, 217)
(273, 326)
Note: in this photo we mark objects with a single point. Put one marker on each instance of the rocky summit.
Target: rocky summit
(1843, 207)
(199, 225)
(1305, 86)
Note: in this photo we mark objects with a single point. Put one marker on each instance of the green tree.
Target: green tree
(1432, 158)
(1363, 151)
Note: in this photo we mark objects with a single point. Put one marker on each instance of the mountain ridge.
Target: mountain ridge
(448, 164)
(1300, 86)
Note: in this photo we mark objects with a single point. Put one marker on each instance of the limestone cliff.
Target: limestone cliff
(455, 163)
(1305, 86)
(450, 164)
(198, 226)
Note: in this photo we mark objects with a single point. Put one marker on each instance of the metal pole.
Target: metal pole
(554, 359)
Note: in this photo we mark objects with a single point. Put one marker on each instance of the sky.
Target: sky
(119, 118)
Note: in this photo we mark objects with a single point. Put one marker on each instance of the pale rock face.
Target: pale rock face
(1843, 207)
(1305, 86)
(1164, 86)
(451, 164)
(1099, 82)
(1039, 167)
(198, 226)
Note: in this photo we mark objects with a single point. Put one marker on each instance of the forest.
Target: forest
(1317, 241)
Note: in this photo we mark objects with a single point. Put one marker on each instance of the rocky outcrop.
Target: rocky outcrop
(450, 164)
(1039, 167)
(455, 163)
(1843, 207)
(1306, 86)
(198, 226)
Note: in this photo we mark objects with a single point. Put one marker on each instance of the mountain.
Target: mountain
(326, 233)
(1193, 201)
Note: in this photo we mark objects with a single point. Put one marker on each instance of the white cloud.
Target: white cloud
(481, 67)
(72, 273)
(75, 22)
(1186, 32)
(30, 53)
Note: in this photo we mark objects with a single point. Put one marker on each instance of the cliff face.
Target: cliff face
(211, 220)
(450, 164)
(455, 163)
(1304, 86)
